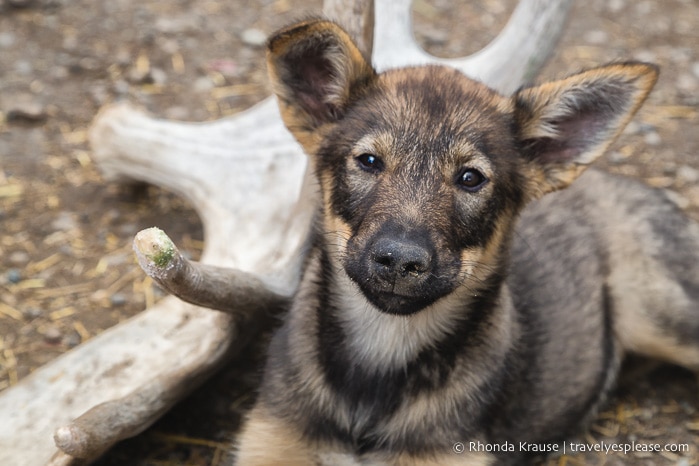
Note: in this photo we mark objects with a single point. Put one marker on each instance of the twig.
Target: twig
(219, 288)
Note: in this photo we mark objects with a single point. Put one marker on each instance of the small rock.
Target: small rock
(7, 39)
(52, 335)
(177, 25)
(70, 42)
(65, 221)
(228, 68)
(169, 46)
(436, 36)
(177, 113)
(158, 76)
(669, 169)
(67, 250)
(32, 313)
(616, 157)
(688, 174)
(121, 87)
(99, 93)
(117, 299)
(25, 107)
(140, 76)
(59, 73)
(14, 276)
(646, 55)
(203, 84)
(24, 67)
(123, 57)
(688, 408)
(647, 414)
(72, 340)
(19, 257)
(253, 37)
(686, 82)
(652, 138)
(89, 64)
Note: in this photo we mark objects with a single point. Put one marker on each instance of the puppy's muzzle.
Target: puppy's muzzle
(396, 271)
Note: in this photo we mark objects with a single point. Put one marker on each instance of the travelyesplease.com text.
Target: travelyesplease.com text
(569, 447)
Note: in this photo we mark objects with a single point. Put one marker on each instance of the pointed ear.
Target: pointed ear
(565, 125)
(316, 70)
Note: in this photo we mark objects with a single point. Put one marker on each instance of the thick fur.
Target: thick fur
(447, 297)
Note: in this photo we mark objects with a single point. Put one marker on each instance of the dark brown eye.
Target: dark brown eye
(471, 179)
(370, 163)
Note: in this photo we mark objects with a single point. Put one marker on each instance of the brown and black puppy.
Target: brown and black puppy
(444, 299)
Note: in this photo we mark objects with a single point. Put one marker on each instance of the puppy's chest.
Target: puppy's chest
(415, 403)
(375, 409)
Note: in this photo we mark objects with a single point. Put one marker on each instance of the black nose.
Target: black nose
(395, 259)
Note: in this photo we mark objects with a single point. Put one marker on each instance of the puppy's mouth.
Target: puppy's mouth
(392, 303)
(401, 271)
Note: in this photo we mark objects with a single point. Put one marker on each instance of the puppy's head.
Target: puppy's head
(423, 170)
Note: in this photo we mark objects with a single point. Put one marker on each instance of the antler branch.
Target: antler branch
(513, 58)
(224, 289)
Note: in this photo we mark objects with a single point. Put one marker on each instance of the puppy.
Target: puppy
(447, 296)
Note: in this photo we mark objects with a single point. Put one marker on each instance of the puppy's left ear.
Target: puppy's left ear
(565, 125)
(316, 70)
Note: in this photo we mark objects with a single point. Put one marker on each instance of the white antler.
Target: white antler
(513, 58)
(245, 177)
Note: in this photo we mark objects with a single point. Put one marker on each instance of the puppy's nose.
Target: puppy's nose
(400, 258)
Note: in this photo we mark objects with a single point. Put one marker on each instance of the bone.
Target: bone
(246, 177)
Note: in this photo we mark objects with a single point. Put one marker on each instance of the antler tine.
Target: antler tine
(512, 59)
(360, 24)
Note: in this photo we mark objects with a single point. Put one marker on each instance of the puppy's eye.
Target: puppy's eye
(370, 163)
(471, 179)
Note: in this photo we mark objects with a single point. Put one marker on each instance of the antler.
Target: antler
(513, 58)
(245, 177)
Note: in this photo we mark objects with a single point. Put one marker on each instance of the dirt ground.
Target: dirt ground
(66, 268)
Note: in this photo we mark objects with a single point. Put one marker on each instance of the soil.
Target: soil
(66, 268)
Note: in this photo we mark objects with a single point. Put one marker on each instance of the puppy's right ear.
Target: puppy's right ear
(316, 70)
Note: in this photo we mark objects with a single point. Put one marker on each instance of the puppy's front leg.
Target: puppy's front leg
(266, 441)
